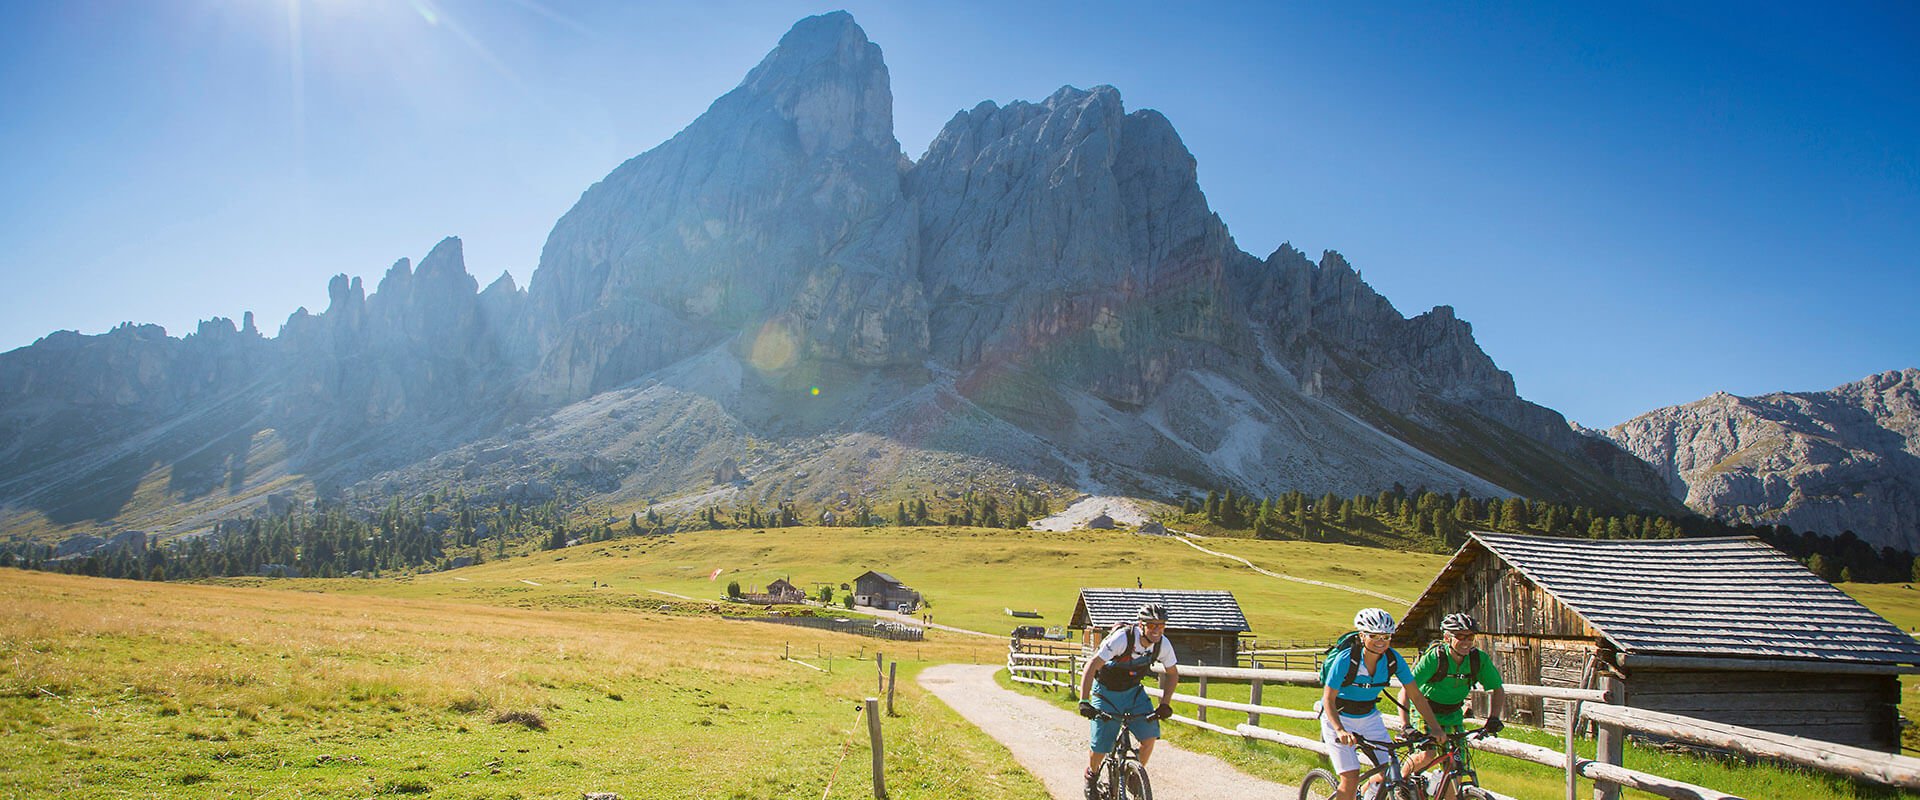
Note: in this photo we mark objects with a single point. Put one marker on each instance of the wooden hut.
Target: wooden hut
(880, 590)
(779, 592)
(1726, 629)
(1204, 626)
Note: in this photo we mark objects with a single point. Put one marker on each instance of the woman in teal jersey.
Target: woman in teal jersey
(1348, 704)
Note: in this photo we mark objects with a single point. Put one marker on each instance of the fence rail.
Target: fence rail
(1590, 705)
(891, 631)
(1611, 721)
(1599, 771)
(1028, 657)
(1887, 768)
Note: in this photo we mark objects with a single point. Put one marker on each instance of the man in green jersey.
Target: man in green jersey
(1446, 674)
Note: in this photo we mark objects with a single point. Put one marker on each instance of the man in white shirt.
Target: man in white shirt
(1111, 684)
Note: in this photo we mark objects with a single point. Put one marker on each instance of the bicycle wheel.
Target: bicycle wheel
(1103, 788)
(1475, 793)
(1137, 787)
(1319, 785)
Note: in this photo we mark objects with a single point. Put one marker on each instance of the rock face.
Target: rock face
(779, 302)
(779, 206)
(1845, 459)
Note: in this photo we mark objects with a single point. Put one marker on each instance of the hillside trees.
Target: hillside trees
(1440, 522)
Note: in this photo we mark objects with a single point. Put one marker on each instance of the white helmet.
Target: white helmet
(1374, 620)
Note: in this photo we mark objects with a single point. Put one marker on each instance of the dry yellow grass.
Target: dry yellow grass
(136, 689)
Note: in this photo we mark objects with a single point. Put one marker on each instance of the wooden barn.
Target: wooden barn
(880, 590)
(1726, 629)
(1204, 626)
(780, 591)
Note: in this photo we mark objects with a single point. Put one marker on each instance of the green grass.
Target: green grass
(970, 575)
(126, 689)
(1900, 604)
(375, 687)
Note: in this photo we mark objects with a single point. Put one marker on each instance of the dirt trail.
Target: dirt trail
(1188, 541)
(1051, 742)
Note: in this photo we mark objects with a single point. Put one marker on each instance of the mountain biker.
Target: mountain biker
(1446, 674)
(1355, 677)
(1124, 658)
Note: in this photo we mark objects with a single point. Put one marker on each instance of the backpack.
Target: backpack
(1119, 678)
(1348, 647)
(1446, 665)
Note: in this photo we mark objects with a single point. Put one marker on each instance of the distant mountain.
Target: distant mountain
(1833, 461)
(776, 304)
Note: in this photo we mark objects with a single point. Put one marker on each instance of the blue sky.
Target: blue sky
(1635, 205)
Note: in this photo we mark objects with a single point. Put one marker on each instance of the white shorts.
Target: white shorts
(1346, 758)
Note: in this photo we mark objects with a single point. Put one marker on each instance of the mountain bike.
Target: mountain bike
(1322, 784)
(1456, 768)
(1121, 775)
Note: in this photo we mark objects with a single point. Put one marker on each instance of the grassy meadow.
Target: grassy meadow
(970, 576)
(579, 670)
(127, 689)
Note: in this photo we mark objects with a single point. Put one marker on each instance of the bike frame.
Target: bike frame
(1456, 762)
(1390, 770)
(1124, 749)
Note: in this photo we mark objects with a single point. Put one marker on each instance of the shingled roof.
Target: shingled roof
(1187, 609)
(1728, 597)
(884, 577)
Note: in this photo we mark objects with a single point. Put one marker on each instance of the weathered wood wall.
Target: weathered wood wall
(1533, 637)
(1857, 710)
(1206, 649)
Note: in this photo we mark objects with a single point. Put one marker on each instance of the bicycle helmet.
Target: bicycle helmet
(1374, 620)
(1153, 612)
(1452, 623)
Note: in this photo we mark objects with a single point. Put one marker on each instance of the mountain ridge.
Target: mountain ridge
(1846, 459)
(1044, 299)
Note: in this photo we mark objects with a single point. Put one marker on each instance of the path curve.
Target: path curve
(1051, 742)
(1343, 587)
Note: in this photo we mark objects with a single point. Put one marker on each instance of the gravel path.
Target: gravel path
(1051, 742)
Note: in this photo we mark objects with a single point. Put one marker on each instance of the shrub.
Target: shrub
(530, 719)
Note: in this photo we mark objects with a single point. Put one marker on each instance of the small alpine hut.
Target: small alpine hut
(1727, 629)
(1204, 625)
(880, 590)
(783, 591)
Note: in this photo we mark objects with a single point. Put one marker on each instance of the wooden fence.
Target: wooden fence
(1045, 663)
(1611, 721)
(879, 629)
(1300, 654)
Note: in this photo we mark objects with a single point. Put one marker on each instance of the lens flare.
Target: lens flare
(815, 391)
(773, 348)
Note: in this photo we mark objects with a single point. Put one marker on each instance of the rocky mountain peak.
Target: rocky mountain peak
(779, 205)
(447, 260)
(1046, 294)
(831, 82)
(1843, 459)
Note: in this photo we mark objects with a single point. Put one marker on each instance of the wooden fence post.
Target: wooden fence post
(1573, 774)
(879, 673)
(893, 671)
(1253, 717)
(1203, 694)
(879, 750)
(1609, 741)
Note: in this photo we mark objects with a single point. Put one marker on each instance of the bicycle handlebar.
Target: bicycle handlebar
(1127, 717)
